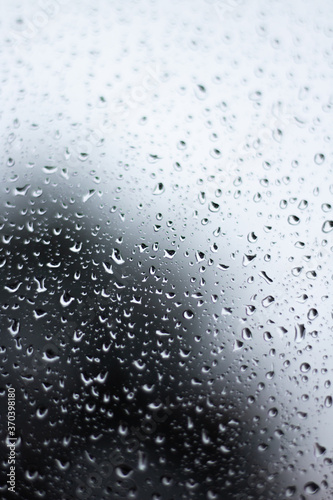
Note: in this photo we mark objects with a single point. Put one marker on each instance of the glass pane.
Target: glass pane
(166, 249)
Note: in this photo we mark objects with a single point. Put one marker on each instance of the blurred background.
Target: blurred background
(166, 248)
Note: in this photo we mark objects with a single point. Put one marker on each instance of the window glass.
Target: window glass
(166, 249)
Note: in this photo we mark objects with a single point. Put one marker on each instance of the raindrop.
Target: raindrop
(247, 259)
(213, 207)
(267, 301)
(299, 333)
(159, 189)
(246, 334)
(319, 450)
(41, 413)
(273, 412)
(116, 257)
(83, 156)
(169, 254)
(49, 169)
(293, 220)
(312, 314)
(319, 158)
(327, 226)
(252, 237)
(200, 92)
(290, 491)
(188, 314)
(311, 488)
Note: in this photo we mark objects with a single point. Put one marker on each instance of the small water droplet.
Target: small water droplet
(319, 450)
(213, 207)
(327, 226)
(252, 237)
(305, 367)
(159, 188)
(293, 220)
(311, 488)
(267, 301)
(290, 491)
(188, 314)
(312, 314)
(200, 92)
(319, 159)
(299, 333)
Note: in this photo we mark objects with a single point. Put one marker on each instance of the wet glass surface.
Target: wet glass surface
(166, 249)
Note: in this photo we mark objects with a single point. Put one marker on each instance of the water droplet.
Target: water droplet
(267, 301)
(302, 204)
(66, 299)
(311, 488)
(299, 333)
(238, 344)
(41, 412)
(213, 207)
(312, 314)
(188, 314)
(328, 401)
(246, 334)
(200, 92)
(169, 254)
(21, 191)
(319, 450)
(62, 466)
(159, 189)
(50, 357)
(264, 275)
(248, 258)
(290, 491)
(293, 220)
(273, 412)
(50, 169)
(319, 158)
(252, 237)
(76, 247)
(305, 367)
(116, 257)
(83, 156)
(327, 226)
